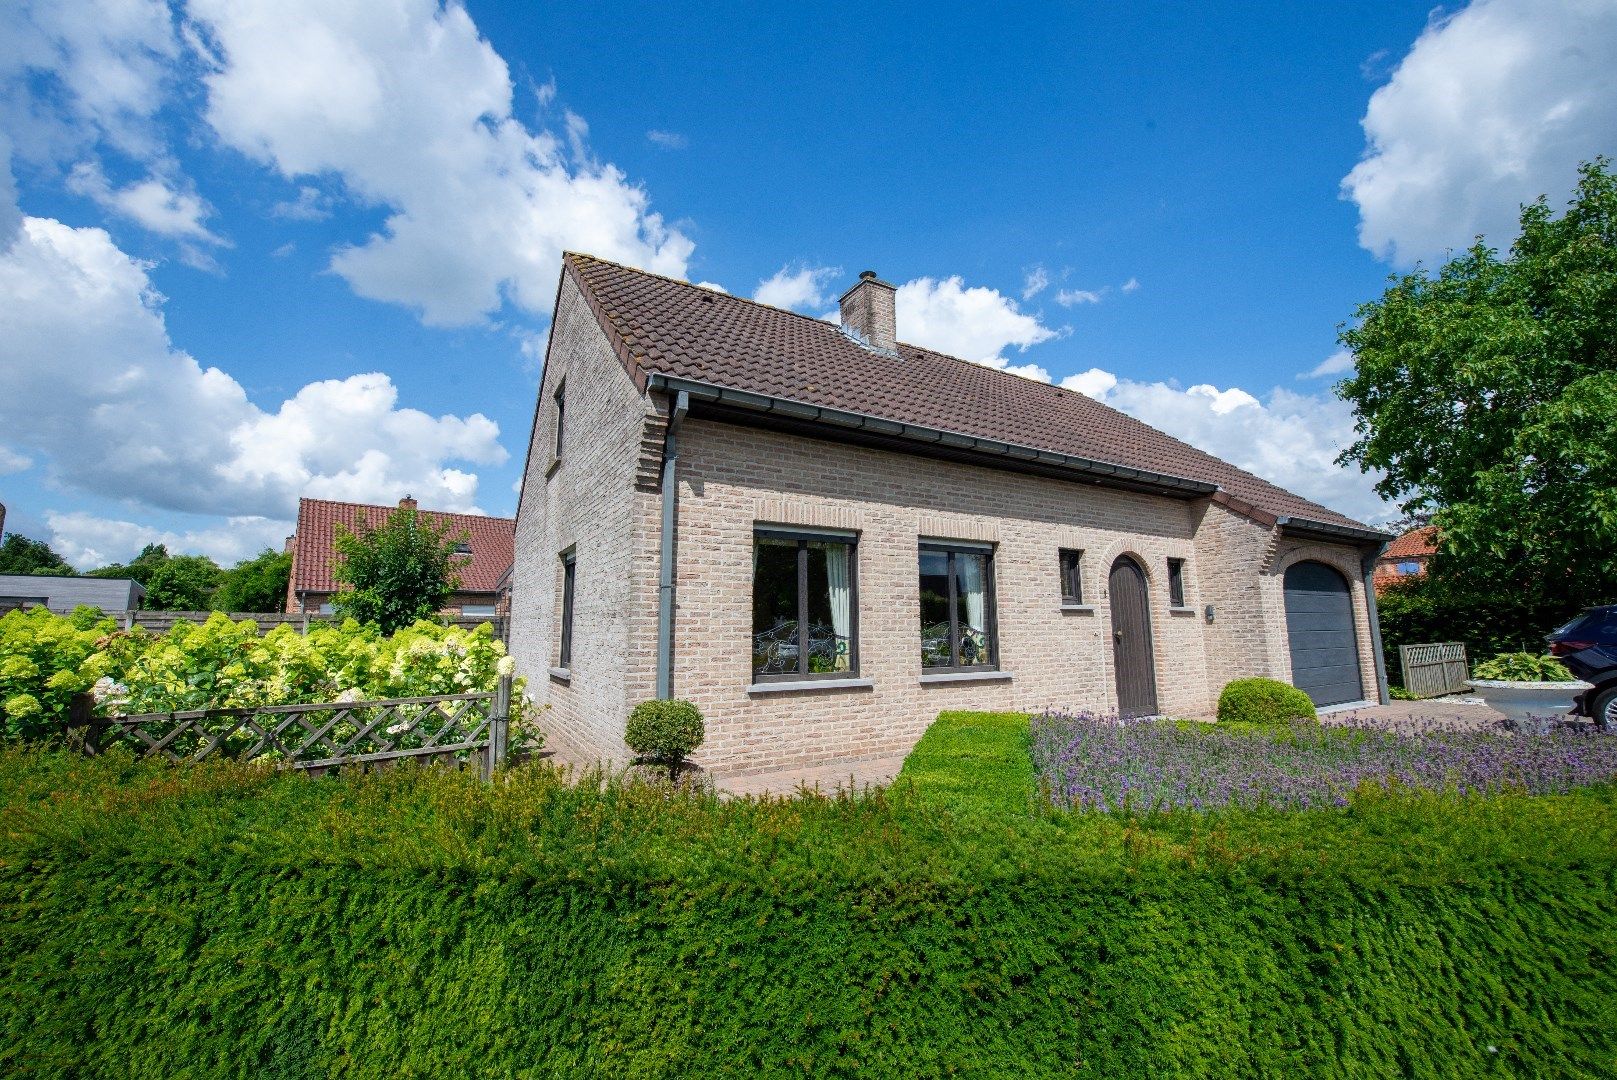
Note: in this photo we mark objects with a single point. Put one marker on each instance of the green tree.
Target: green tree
(257, 584)
(183, 583)
(392, 575)
(141, 569)
(20, 555)
(1487, 394)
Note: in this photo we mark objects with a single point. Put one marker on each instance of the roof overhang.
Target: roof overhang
(1304, 529)
(817, 421)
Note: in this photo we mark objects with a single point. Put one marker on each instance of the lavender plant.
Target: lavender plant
(1091, 762)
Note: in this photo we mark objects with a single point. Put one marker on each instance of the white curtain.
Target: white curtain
(968, 571)
(836, 576)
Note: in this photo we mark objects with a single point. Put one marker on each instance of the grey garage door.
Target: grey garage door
(1324, 647)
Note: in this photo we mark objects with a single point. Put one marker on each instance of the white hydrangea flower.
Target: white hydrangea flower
(506, 667)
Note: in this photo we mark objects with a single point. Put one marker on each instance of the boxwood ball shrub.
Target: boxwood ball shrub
(665, 731)
(1263, 701)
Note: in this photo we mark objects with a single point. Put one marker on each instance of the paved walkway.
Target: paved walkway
(1458, 711)
(851, 775)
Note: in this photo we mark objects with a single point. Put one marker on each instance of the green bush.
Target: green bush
(664, 731)
(220, 920)
(1263, 701)
(1423, 609)
(1398, 693)
(1522, 667)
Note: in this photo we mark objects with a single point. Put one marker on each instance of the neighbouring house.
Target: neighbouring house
(1406, 557)
(63, 594)
(488, 544)
(824, 537)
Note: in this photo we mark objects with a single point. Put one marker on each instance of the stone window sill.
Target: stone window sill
(797, 686)
(550, 470)
(965, 676)
(561, 674)
(1077, 609)
(1181, 611)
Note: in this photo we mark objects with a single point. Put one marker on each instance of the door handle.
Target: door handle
(1118, 634)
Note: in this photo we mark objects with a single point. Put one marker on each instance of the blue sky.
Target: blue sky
(255, 249)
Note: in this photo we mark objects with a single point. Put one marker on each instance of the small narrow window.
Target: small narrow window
(1072, 579)
(477, 610)
(1176, 582)
(1409, 568)
(463, 548)
(569, 571)
(805, 605)
(957, 608)
(561, 416)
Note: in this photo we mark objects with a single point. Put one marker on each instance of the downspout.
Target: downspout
(1369, 564)
(665, 583)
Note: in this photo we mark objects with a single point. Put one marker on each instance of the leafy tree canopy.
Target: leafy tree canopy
(141, 568)
(183, 583)
(20, 555)
(1487, 394)
(392, 575)
(257, 584)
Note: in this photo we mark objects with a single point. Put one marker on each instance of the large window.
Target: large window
(957, 608)
(805, 605)
(569, 572)
(1072, 578)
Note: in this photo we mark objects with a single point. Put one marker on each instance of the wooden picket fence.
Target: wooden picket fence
(1434, 670)
(461, 729)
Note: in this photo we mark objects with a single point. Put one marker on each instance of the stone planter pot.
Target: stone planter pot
(1530, 706)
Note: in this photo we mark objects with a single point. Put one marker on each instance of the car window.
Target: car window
(1599, 625)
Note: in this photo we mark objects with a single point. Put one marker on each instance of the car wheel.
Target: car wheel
(1604, 708)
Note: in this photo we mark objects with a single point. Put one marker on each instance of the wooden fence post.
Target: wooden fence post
(499, 726)
(83, 727)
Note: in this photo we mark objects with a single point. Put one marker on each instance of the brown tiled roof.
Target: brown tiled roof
(492, 541)
(1413, 544)
(683, 330)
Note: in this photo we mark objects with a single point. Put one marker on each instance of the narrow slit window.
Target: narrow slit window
(1072, 578)
(1176, 582)
(957, 608)
(561, 416)
(569, 572)
(805, 606)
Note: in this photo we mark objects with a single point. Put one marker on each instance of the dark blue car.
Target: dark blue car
(1588, 647)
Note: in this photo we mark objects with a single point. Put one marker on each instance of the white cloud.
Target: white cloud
(1131, 285)
(88, 541)
(1073, 297)
(715, 286)
(976, 323)
(1338, 363)
(92, 383)
(1036, 281)
(312, 204)
(796, 289)
(412, 109)
(13, 462)
(1494, 105)
(1290, 439)
(668, 140)
(151, 203)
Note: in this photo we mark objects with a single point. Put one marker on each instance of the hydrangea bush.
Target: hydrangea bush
(45, 659)
(1091, 762)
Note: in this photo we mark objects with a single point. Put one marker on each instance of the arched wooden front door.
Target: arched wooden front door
(1131, 640)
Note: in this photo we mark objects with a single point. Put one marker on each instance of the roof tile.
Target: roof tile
(492, 542)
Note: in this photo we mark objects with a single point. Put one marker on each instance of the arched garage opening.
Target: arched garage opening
(1324, 644)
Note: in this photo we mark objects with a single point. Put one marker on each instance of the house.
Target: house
(824, 537)
(63, 594)
(1406, 557)
(488, 543)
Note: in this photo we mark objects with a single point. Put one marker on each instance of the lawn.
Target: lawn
(227, 920)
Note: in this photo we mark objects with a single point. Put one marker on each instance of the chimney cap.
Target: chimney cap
(867, 275)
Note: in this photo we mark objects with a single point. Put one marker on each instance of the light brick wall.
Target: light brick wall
(732, 478)
(588, 502)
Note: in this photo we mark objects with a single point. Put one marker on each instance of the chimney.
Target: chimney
(867, 312)
(407, 503)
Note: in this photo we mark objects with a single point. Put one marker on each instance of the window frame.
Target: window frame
(1076, 556)
(560, 397)
(569, 596)
(1176, 583)
(990, 600)
(804, 537)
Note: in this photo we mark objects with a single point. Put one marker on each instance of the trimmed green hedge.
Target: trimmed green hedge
(1263, 701)
(221, 920)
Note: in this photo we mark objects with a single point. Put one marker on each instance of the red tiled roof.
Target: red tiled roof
(492, 541)
(684, 330)
(1415, 543)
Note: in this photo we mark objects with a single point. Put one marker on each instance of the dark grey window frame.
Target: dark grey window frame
(1176, 583)
(804, 538)
(561, 416)
(1071, 562)
(990, 599)
(569, 588)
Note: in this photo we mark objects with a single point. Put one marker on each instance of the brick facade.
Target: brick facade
(601, 501)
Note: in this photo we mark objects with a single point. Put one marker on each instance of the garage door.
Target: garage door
(1324, 647)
